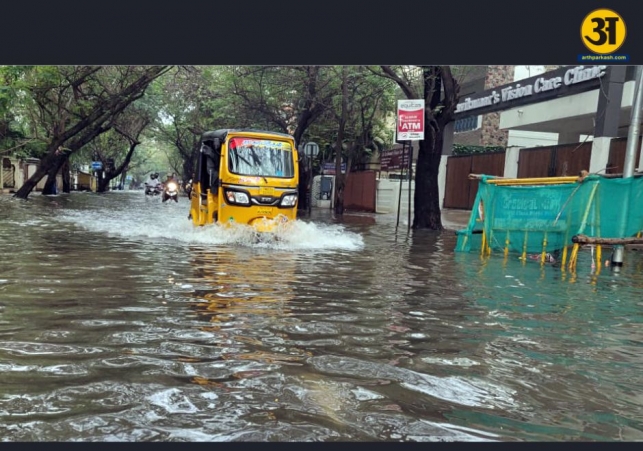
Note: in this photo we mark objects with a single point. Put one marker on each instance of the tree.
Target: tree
(75, 104)
(439, 89)
(365, 101)
(181, 111)
(339, 145)
(115, 148)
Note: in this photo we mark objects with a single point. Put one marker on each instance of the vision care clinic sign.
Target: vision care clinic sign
(410, 120)
(549, 85)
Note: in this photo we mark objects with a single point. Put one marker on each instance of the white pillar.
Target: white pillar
(641, 162)
(442, 178)
(600, 155)
(1, 175)
(447, 139)
(511, 162)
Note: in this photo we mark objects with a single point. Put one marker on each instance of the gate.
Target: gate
(359, 192)
(554, 161)
(8, 174)
(617, 155)
(460, 192)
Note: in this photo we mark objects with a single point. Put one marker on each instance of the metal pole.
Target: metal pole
(635, 125)
(410, 177)
(399, 194)
(630, 156)
(310, 185)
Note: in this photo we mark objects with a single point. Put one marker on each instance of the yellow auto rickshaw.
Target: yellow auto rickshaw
(246, 177)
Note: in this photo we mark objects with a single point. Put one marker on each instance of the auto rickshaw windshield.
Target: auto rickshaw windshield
(260, 157)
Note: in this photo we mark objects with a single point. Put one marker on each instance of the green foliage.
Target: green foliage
(36, 102)
(462, 149)
(371, 100)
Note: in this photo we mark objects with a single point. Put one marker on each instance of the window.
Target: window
(260, 157)
(467, 124)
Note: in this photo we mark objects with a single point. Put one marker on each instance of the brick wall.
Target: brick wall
(491, 134)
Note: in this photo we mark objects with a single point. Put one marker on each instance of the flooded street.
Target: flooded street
(120, 321)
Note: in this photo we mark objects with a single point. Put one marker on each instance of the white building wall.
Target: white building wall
(583, 104)
(388, 197)
(522, 138)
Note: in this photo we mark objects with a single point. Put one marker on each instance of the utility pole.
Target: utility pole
(630, 157)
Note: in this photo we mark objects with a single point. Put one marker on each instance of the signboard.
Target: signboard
(395, 159)
(410, 120)
(311, 149)
(329, 168)
(97, 165)
(564, 81)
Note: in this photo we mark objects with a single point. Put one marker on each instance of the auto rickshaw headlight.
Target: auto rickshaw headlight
(236, 197)
(289, 200)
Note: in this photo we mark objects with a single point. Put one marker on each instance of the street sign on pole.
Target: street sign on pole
(410, 120)
(311, 149)
(393, 159)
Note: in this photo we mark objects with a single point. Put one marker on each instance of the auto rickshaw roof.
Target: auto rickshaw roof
(222, 133)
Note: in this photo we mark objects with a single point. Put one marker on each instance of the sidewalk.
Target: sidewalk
(455, 219)
(451, 219)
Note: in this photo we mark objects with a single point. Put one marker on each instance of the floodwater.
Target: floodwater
(119, 321)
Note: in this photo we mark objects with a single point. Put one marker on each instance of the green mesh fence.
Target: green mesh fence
(533, 218)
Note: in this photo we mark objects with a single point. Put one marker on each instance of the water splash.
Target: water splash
(154, 221)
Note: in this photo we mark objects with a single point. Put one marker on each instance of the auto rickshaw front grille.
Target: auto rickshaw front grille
(264, 200)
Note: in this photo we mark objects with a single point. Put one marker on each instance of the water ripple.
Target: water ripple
(120, 321)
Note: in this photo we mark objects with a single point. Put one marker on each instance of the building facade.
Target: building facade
(484, 129)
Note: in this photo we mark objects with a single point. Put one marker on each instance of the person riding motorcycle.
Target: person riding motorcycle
(152, 183)
(170, 188)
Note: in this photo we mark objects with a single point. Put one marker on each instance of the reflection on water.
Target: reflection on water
(121, 321)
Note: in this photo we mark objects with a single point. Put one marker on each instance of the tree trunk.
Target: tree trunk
(340, 180)
(427, 213)
(66, 177)
(121, 184)
(302, 204)
(584, 239)
(43, 168)
(440, 92)
(103, 182)
(50, 185)
(188, 169)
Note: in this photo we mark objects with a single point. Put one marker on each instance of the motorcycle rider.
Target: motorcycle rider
(170, 179)
(152, 182)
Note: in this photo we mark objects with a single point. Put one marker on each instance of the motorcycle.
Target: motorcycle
(153, 190)
(171, 191)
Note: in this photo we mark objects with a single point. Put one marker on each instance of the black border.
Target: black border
(300, 32)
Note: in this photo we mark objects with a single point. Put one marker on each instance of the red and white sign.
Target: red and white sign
(410, 120)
